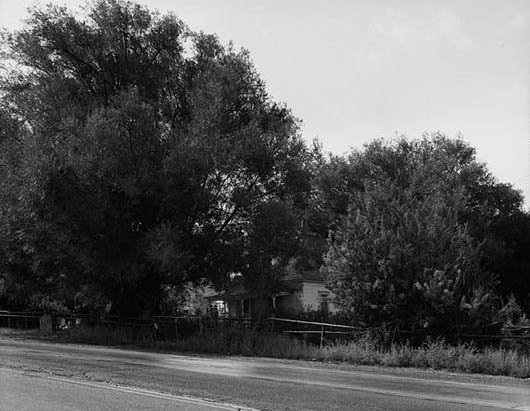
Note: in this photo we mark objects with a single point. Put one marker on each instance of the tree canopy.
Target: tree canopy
(415, 224)
(139, 157)
(140, 153)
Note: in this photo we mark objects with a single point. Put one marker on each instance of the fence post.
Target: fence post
(322, 337)
(8, 319)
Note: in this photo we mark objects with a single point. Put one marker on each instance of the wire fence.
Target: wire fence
(389, 333)
(161, 327)
(19, 319)
(175, 327)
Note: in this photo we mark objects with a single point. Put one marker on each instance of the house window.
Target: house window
(324, 302)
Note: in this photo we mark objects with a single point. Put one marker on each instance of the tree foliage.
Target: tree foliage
(406, 247)
(139, 157)
(142, 154)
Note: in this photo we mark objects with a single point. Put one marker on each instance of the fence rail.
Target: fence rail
(19, 319)
(323, 328)
(165, 326)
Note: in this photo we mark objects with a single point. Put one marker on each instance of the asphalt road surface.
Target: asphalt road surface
(48, 376)
(24, 391)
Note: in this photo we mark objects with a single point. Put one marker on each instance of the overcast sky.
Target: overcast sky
(356, 70)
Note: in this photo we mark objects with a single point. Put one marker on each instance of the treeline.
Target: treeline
(138, 156)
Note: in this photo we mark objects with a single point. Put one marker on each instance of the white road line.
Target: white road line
(138, 391)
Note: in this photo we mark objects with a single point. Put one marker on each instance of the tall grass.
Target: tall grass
(434, 354)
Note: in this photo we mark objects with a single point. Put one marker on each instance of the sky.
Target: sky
(357, 70)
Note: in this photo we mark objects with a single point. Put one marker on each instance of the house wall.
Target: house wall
(308, 298)
(311, 299)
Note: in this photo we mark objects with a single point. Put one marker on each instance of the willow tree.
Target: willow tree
(142, 153)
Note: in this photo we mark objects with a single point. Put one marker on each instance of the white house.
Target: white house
(298, 292)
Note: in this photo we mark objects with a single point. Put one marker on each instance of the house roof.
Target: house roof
(302, 276)
(292, 281)
(237, 292)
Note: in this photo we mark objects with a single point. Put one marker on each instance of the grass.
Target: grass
(435, 354)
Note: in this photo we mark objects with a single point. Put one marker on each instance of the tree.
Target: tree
(148, 150)
(492, 212)
(408, 247)
(404, 260)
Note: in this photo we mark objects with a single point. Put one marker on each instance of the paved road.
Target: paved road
(44, 374)
(23, 391)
